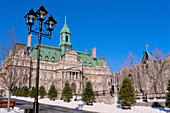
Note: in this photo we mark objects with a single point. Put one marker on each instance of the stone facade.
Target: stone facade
(58, 64)
(141, 75)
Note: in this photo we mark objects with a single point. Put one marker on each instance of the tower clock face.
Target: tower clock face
(71, 58)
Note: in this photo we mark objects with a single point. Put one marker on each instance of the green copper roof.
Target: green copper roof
(88, 60)
(65, 28)
(47, 53)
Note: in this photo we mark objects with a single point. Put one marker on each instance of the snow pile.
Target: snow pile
(15, 110)
(151, 100)
(98, 107)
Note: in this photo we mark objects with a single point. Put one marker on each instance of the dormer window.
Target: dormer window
(46, 57)
(90, 64)
(85, 63)
(53, 58)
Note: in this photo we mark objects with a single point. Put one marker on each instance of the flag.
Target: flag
(147, 45)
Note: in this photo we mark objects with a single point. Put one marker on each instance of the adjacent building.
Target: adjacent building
(149, 76)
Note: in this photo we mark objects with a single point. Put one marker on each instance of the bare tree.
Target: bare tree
(10, 74)
(154, 69)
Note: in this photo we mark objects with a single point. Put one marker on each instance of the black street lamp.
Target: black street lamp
(50, 25)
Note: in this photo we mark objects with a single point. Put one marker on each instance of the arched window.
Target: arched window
(66, 38)
(90, 64)
(40, 57)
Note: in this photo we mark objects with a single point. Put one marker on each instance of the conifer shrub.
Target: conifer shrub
(67, 92)
(18, 91)
(167, 103)
(88, 93)
(52, 93)
(103, 92)
(32, 92)
(42, 92)
(126, 95)
(97, 94)
(24, 91)
(14, 91)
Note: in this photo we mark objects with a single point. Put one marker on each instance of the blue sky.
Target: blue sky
(114, 27)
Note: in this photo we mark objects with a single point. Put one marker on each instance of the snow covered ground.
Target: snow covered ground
(97, 107)
(15, 110)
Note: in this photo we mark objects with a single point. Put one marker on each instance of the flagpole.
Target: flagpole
(146, 48)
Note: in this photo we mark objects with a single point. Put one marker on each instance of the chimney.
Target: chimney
(29, 42)
(94, 53)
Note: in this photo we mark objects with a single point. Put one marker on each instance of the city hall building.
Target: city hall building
(59, 64)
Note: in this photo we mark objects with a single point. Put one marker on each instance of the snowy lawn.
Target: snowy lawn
(15, 110)
(98, 107)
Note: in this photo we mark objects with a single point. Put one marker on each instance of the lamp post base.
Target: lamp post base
(36, 107)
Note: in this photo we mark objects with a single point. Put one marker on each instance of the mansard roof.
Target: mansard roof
(47, 53)
(52, 54)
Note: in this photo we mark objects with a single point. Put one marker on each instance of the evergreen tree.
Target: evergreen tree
(52, 93)
(42, 92)
(126, 94)
(18, 92)
(88, 93)
(32, 92)
(24, 91)
(168, 96)
(67, 92)
(14, 91)
(103, 92)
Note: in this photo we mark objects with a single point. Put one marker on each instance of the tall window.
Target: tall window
(22, 72)
(45, 67)
(70, 75)
(62, 74)
(45, 75)
(16, 62)
(66, 38)
(76, 75)
(21, 54)
(45, 86)
(51, 76)
(73, 75)
(22, 63)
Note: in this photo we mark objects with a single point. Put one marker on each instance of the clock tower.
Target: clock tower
(65, 43)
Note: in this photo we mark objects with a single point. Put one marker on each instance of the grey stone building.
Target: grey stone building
(149, 76)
